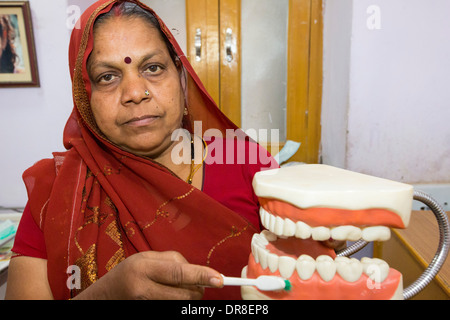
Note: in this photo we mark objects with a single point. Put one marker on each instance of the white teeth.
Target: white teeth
(287, 228)
(376, 269)
(349, 269)
(264, 217)
(303, 231)
(272, 220)
(279, 226)
(346, 233)
(272, 261)
(320, 233)
(269, 236)
(260, 240)
(326, 267)
(287, 266)
(305, 266)
(376, 234)
(263, 255)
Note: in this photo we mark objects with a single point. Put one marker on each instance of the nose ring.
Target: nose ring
(147, 93)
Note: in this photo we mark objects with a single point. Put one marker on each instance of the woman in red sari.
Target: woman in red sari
(115, 216)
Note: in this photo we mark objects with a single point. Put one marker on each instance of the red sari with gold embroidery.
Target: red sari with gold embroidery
(98, 204)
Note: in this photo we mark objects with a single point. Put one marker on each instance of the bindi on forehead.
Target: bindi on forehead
(127, 60)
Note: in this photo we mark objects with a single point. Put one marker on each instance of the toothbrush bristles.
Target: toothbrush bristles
(288, 285)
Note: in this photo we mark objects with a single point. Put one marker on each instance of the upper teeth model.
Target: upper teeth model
(306, 204)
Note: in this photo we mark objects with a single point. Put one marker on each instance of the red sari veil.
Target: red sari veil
(98, 204)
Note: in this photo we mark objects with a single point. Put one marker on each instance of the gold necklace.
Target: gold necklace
(194, 169)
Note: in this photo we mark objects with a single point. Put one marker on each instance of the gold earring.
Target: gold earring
(186, 112)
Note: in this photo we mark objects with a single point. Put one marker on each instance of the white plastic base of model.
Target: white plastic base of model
(316, 185)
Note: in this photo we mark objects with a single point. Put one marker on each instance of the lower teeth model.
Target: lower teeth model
(306, 204)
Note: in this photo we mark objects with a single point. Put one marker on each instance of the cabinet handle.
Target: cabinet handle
(229, 44)
(198, 44)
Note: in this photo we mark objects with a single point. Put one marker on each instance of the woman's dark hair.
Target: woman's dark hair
(132, 10)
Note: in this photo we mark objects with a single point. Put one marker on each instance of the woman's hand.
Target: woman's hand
(154, 276)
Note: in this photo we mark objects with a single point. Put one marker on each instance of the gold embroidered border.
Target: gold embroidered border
(117, 258)
(88, 265)
(234, 233)
(113, 232)
(161, 213)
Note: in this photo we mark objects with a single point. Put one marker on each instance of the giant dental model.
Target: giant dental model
(306, 204)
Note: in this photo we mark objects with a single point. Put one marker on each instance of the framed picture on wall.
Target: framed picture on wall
(18, 64)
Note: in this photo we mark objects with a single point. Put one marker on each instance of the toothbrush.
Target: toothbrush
(263, 283)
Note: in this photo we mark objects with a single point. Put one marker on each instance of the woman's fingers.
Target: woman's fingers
(154, 276)
(181, 274)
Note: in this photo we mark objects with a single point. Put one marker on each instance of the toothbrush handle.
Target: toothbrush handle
(230, 281)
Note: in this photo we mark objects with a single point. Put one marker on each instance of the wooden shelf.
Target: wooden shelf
(410, 251)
